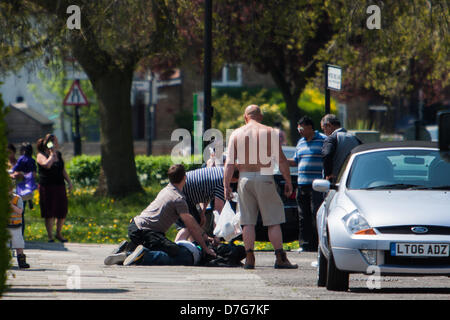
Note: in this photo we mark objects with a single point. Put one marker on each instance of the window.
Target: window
(229, 76)
(399, 169)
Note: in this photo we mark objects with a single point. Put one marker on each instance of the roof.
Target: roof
(394, 144)
(35, 115)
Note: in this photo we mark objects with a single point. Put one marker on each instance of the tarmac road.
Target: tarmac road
(73, 271)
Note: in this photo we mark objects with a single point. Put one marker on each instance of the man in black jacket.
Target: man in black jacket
(336, 147)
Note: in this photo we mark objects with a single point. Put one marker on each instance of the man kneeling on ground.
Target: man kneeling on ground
(147, 230)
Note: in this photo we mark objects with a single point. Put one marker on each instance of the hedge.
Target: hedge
(84, 170)
(5, 253)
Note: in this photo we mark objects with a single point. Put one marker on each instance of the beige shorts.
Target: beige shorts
(16, 241)
(258, 193)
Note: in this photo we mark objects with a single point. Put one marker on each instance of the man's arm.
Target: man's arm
(328, 150)
(292, 162)
(229, 168)
(284, 169)
(196, 232)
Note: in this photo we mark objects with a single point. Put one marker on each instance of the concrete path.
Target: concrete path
(76, 271)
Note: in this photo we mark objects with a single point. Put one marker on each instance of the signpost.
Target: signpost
(333, 80)
(76, 97)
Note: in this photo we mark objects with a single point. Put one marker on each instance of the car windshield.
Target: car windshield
(400, 169)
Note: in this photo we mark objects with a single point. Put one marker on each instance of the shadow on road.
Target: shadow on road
(55, 246)
(50, 290)
(402, 290)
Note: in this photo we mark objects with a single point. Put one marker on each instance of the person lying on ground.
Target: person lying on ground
(148, 228)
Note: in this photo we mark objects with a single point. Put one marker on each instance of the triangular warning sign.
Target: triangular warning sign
(76, 96)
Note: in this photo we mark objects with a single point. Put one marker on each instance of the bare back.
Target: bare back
(254, 146)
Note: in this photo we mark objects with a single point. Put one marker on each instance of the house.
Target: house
(25, 124)
(173, 99)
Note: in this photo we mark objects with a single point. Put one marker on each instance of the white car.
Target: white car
(389, 212)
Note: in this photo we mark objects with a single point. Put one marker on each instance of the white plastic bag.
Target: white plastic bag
(228, 225)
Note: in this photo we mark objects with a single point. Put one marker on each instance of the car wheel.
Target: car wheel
(322, 269)
(337, 280)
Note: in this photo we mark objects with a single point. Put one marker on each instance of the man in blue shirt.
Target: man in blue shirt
(308, 159)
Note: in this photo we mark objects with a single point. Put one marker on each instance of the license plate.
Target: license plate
(419, 249)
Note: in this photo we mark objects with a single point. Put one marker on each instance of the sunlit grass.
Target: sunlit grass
(103, 220)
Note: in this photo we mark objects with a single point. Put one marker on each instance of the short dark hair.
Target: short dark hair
(176, 173)
(11, 147)
(305, 120)
(27, 149)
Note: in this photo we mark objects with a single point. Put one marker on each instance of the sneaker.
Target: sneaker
(121, 248)
(115, 258)
(135, 256)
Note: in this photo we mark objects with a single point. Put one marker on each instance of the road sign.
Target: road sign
(334, 76)
(75, 96)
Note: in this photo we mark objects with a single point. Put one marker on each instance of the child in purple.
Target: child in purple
(24, 172)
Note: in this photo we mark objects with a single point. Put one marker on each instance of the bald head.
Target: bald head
(253, 112)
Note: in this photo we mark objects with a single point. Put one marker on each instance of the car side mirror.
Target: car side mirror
(444, 134)
(322, 185)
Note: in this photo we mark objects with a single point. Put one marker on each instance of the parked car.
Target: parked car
(388, 213)
(434, 132)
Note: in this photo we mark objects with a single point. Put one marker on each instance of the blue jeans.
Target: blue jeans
(161, 258)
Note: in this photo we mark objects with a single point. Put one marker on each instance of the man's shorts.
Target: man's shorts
(258, 192)
(16, 241)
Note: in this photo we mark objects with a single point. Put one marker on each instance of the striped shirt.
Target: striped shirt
(203, 184)
(308, 157)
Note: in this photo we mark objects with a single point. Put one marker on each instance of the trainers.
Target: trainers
(121, 248)
(135, 256)
(115, 258)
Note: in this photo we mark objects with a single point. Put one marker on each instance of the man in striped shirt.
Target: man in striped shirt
(202, 186)
(308, 159)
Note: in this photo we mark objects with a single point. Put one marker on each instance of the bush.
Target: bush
(84, 170)
(5, 256)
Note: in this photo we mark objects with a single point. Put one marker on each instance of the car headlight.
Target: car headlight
(356, 224)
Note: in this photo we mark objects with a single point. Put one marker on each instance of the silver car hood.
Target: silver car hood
(400, 207)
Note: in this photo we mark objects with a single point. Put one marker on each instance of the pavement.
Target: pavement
(73, 271)
(76, 271)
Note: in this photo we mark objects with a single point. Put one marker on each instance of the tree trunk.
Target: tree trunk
(294, 114)
(291, 99)
(118, 173)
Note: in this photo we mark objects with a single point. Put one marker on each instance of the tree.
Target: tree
(408, 54)
(5, 184)
(52, 91)
(114, 37)
(279, 37)
(292, 40)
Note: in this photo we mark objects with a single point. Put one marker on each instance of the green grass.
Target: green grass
(103, 220)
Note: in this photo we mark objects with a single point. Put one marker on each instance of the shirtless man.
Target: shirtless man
(257, 190)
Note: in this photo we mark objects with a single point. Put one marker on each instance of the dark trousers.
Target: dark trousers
(308, 202)
(152, 240)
